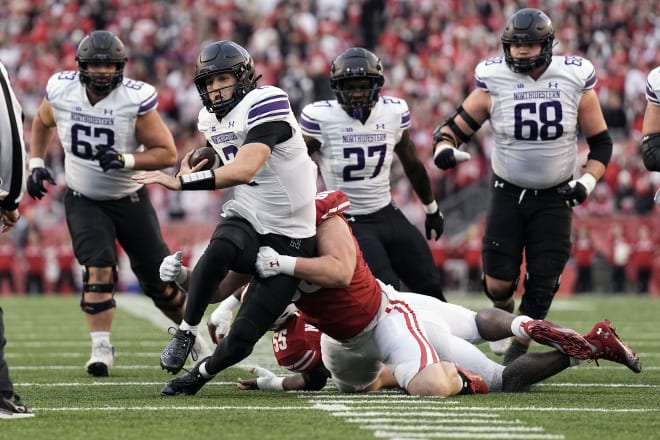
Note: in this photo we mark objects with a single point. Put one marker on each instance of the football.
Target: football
(202, 153)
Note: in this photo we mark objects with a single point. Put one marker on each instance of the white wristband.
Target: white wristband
(588, 181)
(270, 383)
(36, 162)
(129, 161)
(431, 208)
(287, 264)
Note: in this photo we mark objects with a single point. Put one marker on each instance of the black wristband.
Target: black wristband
(201, 180)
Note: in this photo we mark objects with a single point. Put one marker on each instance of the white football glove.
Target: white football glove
(269, 263)
(171, 269)
(266, 379)
(220, 320)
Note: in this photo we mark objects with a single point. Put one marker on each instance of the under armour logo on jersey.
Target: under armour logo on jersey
(231, 124)
(498, 184)
(107, 111)
(380, 126)
(553, 85)
(520, 86)
(601, 331)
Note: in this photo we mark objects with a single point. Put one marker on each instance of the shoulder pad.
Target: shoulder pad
(329, 204)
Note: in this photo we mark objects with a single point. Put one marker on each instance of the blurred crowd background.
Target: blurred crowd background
(429, 49)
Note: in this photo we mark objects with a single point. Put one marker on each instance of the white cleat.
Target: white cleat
(100, 363)
(500, 347)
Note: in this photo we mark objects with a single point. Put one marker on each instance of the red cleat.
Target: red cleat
(472, 382)
(560, 337)
(608, 346)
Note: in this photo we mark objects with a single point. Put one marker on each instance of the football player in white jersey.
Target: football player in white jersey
(109, 128)
(651, 126)
(535, 103)
(12, 176)
(265, 161)
(356, 137)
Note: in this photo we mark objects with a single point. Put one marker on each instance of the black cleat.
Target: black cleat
(186, 385)
(174, 356)
(12, 408)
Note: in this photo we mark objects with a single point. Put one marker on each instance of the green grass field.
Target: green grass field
(48, 344)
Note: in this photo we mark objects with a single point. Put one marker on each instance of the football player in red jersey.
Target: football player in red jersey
(449, 327)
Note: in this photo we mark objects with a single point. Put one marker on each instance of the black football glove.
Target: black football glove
(108, 158)
(573, 193)
(446, 156)
(434, 222)
(35, 182)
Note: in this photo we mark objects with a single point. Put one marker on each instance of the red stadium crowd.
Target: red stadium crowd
(429, 49)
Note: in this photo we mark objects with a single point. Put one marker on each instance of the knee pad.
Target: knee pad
(167, 302)
(500, 298)
(99, 287)
(97, 307)
(539, 293)
(93, 308)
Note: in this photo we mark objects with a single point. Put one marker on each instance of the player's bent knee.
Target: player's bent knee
(539, 293)
(107, 289)
(167, 300)
(242, 338)
(498, 290)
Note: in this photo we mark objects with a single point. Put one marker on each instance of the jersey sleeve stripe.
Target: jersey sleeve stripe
(590, 82)
(651, 95)
(272, 103)
(304, 363)
(309, 125)
(479, 83)
(148, 104)
(405, 120)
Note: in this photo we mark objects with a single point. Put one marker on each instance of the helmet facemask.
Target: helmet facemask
(358, 95)
(356, 78)
(224, 57)
(528, 26)
(101, 47)
(101, 83)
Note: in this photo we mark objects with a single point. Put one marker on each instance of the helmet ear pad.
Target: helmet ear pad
(357, 64)
(229, 57)
(528, 26)
(106, 48)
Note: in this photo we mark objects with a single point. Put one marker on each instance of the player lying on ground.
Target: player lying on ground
(455, 348)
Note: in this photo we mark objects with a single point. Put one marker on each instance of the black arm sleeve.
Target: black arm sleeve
(12, 151)
(600, 147)
(270, 133)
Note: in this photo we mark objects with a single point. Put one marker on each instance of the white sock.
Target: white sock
(191, 328)
(202, 370)
(99, 337)
(517, 328)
